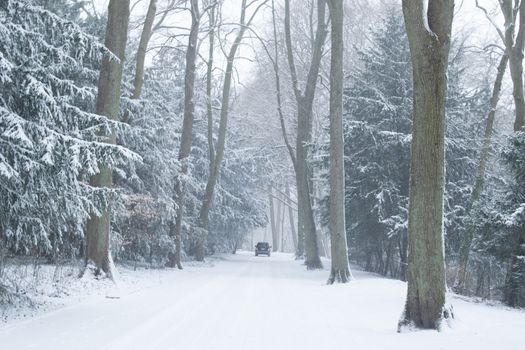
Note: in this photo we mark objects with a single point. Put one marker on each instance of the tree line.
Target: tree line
(124, 137)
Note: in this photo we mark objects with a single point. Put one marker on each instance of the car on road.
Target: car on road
(263, 248)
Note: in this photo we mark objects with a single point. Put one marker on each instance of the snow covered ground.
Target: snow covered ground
(245, 302)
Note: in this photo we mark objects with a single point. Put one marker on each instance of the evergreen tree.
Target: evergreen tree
(48, 145)
(377, 147)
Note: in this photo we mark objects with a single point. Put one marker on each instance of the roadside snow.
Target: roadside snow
(246, 302)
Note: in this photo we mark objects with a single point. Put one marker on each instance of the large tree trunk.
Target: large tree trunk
(429, 38)
(187, 130)
(221, 140)
(459, 283)
(108, 104)
(340, 271)
(307, 234)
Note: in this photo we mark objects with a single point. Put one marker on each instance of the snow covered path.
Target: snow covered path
(246, 302)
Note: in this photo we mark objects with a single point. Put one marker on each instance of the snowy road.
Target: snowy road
(246, 302)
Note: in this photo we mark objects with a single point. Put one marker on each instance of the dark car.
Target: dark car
(263, 248)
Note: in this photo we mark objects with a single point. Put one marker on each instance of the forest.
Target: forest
(361, 138)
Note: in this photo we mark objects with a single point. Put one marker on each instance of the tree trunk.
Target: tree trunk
(209, 72)
(138, 82)
(511, 291)
(278, 232)
(283, 215)
(290, 216)
(514, 47)
(429, 38)
(307, 234)
(145, 36)
(340, 271)
(187, 129)
(108, 104)
(273, 222)
(459, 283)
(403, 252)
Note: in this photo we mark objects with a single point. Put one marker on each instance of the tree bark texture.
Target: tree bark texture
(429, 31)
(340, 271)
(108, 104)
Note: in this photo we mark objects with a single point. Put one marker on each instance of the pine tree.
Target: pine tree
(48, 145)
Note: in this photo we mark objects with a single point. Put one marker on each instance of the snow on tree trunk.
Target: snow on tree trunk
(429, 32)
(108, 104)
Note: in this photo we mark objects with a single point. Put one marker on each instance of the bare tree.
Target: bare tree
(108, 104)
(209, 77)
(215, 167)
(429, 30)
(187, 130)
(340, 271)
(307, 233)
(514, 45)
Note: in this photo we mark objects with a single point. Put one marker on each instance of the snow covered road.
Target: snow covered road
(246, 302)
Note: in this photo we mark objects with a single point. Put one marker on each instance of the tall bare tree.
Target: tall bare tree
(307, 233)
(514, 45)
(215, 167)
(466, 242)
(209, 78)
(145, 36)
(340, 271)
(187, 131)
(108, 104)
(428, 26)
